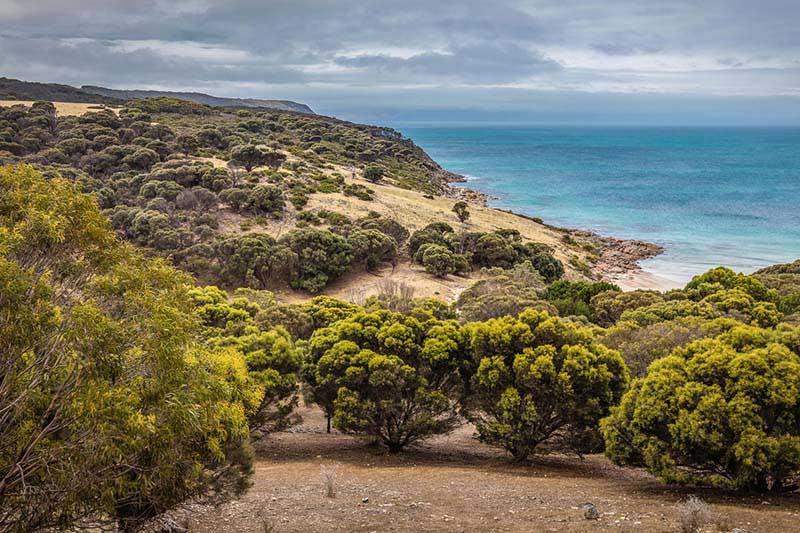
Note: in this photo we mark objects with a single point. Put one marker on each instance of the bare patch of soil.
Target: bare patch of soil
(454, 483)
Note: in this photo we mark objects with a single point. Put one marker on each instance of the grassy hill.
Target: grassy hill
(281, 200)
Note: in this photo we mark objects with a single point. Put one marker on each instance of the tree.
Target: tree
(248, 156)
(255, 260)
(322, 256)
(573, 297)
(373, 174)
(110, 406)
(461, 211)
(273, 363)
(723, 411)
(265, 198)
(538, 378)
(388, 376)
(371, 247)
(437, 260)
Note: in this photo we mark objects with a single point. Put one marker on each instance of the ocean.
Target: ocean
(710, 196)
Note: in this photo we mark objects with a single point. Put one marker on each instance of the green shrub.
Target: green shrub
(437, 260)
(111, 407)
(372, 247)
(388, 376)
(373, 174)
(723, 411)
(461, 210)
(540, 379)
(321, 257)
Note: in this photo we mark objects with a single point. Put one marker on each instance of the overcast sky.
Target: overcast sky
(659, 61)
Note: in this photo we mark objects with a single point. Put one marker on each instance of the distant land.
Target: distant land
(13, 89)
(200, 98)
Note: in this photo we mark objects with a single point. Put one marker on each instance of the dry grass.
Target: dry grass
(328, 475)
(64, 109)
(694, 515)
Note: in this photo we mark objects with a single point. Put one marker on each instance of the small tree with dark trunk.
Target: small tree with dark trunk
(461, 211)
(373, 174)
(388, 376)
(248, 156)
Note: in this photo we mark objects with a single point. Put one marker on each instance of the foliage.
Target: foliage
(371, 247)
(574, 297)
(461, 210)
(373, 173)
(110, 407)
(387, 375)
(322, 256)
(540, 379)
(272, 361)
(503, 292)
(720, 411)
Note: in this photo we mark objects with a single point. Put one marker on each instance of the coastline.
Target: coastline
(619, 260)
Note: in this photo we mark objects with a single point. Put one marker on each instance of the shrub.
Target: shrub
(573, 297)
(461, 210)
(721, 411)
(373, 174)
(265, 198)
(255, 261)
(641, 345)
(537, 379)
(388, 376)
(272, 361)
(437, 260)
(389, 226)
(371, 247)
(543, 261)
(248, 156)
(491, 250)
(111, 407)
(321, 257)
(607, 307)
(503, 292)
(431, 234)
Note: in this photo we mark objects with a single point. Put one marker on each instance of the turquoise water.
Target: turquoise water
(711, 196)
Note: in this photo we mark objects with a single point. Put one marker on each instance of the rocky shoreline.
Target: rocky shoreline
(618, 258)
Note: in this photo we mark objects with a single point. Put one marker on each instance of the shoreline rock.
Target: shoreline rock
(617, 257)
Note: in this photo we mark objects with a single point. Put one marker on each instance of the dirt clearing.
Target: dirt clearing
(455, 483)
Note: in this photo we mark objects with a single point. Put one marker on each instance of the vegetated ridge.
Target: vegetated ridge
(201, 98)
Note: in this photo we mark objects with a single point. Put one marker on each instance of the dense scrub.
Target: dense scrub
(155, 170)
(110, 406)
(723, 411)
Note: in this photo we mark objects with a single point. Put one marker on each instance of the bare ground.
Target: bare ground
(454, 483)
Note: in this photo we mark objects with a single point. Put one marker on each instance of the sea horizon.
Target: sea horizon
(710, 195)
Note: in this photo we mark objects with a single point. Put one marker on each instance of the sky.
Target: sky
(538, 61)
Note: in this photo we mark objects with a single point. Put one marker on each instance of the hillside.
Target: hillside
(11, 89)
(201, 98)
(295, 203)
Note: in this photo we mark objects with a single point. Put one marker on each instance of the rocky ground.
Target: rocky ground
(457, 484)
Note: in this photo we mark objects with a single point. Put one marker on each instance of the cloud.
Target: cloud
(486, 63)
(314, 48)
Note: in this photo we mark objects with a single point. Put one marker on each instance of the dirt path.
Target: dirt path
(456, 484)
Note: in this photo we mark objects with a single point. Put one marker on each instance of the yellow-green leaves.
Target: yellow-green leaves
(724, 411)
(539, 376)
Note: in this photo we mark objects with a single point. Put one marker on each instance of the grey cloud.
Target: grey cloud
(487, 63)
(310, 49)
